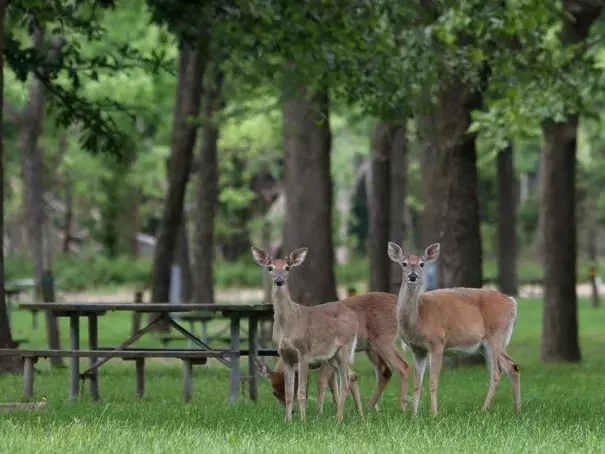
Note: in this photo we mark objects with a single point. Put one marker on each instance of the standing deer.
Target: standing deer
(307, 335)
(456, 320)
(376, 315)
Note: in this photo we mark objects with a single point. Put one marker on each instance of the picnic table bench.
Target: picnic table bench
(230, 357)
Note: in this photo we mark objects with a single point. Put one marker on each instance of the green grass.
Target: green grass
(564, 407)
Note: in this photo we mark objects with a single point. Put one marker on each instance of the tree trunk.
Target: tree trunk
(427, 141)
(507, 223)
(591, 243)
(456, 184)
(399, 166)
(207, 190)
(379, 204)
(191, 69)
(7, 364)
(181, 257)
(32, 166)
(69, 213)
(558, 210)
(308, 191)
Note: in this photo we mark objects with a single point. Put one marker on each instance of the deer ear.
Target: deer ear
(262, 368)
(298, 256)
(395, 252)
(261, 257)
(431, 253)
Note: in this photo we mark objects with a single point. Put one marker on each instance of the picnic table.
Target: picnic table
(230, 358)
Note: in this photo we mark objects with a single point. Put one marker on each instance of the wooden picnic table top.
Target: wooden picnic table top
(94, 307)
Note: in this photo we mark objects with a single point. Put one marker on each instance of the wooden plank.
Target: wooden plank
(242, 352)
(193, 354)
(77, 307)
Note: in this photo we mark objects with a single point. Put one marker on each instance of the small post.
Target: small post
(234, 379)
(187, 379)
(594, 283)
(140, 372)
(74, 334)
(93, 345)
(136, 316)
(28, 377)
(252, 355)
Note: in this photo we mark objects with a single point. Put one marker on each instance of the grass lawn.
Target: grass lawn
(563, 407)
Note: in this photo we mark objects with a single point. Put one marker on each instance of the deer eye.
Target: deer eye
(421, 264)
(287, 267)
(271, 268)
(404, 264)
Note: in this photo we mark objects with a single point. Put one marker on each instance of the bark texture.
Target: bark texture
(507, 223)
(399, 213)
(308, 190)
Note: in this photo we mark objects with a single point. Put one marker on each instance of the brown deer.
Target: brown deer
(306, 335)
(376, 314)
(456, 320)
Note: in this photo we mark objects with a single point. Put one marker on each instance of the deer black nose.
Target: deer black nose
(279, 281)
(412, 277)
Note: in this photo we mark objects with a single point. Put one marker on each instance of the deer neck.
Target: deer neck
(407, 304)
(284, 309)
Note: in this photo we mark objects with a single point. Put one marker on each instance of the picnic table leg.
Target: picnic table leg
(93, 344)
(234, 382)
(140, 372)
(253, 346)
(28, 377)
(74, 337)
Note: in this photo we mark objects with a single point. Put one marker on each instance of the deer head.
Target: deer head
(279, 269)
(413, 265)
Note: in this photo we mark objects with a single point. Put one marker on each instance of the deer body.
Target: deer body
(307, 335)
(377, 333)
(453, 321)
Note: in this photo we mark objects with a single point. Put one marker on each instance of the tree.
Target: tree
(7, 364)
(507, 222)
(308, 191)
(558, 208)
(207, 190)
(398, 177)
(192, 62)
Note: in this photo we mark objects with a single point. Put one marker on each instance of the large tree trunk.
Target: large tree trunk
(32, 166)
(207, 191)
(399, 166)
(427, 142)
(379, 205)
(308, 190)
(7, 364)
(507, 223)
(181, 257)
(558, 210)
(456, 181)
(191, 69)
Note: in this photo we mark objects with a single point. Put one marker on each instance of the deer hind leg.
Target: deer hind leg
(383, 375)
(326, 376)
(492, 355)
(512, 370)
(390, 354)
(355, 390)
(419, 368)
(340, 364)
(303, 372)
(436, 356)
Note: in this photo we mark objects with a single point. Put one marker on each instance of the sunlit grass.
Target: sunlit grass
(564, 407)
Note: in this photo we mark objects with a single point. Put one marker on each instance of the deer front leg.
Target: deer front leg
(436, 355)
(419, 368)
(303, 372)
(325, 375)
(289, 389)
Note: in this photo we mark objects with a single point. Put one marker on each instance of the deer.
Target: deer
(453, 321)
(306, 335)
(376, 314)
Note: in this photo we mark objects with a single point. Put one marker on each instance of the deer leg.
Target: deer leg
(419, 368)
(492, 355)
(333, 382)
(355, 390)
(325, 375)
(289, 389)
(383, 375)
(390, 354)
(341, 364)
(303, 372)
(512, 370)
(436, 356)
